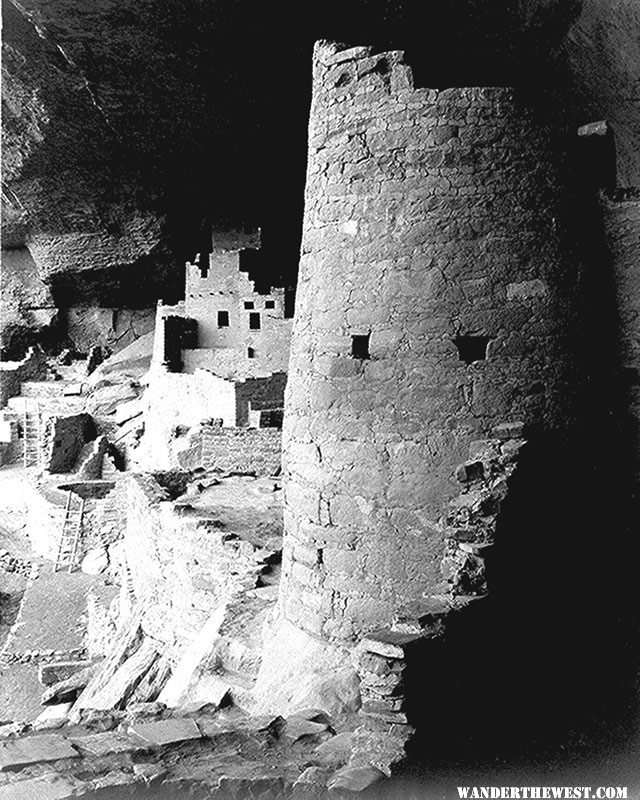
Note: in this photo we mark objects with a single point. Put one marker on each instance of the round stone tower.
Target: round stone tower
(434, 303)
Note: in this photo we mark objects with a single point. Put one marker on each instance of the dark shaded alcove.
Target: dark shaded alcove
(195, 111)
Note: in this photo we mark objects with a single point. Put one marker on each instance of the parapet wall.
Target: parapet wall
(250, 450)
(435, 300)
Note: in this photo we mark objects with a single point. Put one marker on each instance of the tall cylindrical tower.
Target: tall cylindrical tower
(433, 303)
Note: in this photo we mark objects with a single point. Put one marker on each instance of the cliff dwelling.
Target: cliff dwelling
(319, 452)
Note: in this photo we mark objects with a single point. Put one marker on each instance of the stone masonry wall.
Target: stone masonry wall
(225, 288)
(434, 302)
(259, 394)
(251, 450)
(64, 439)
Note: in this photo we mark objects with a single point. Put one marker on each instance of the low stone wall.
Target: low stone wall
(9, 563)
(252, 450)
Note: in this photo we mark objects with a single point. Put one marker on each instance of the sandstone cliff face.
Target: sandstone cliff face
(70, 194)
(602, 52)
(128, 124)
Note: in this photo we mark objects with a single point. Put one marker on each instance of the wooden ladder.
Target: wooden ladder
(70, 536)
(31, 431)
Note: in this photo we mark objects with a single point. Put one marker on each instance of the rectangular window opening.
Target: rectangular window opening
(248, 304)
(254, 321)
(472, 347)
(360, 346)
(223, 319)
(251, 353)
(269, 304)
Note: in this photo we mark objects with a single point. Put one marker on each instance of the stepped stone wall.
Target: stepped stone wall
(435, 301)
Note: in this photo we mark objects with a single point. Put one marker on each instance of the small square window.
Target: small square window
(251, 353)
(254, 321)
(471, 347)
(223, 319)
(248, 304)
(360, 346)
(269, 304)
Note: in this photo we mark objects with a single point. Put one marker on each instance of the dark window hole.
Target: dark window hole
(269, 304)
(254, 321)
(360, 346)
(248, 304)
(472, 348)
(289, 303)
(202, 260)
(223, 319)
(251, 353)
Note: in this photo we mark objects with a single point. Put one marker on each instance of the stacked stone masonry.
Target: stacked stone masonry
(434, 302)
(470, 524)
(249, 450)
(224, 324)
(241, 329)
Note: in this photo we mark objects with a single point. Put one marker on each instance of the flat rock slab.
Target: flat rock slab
(48, 788)
(48, 674)
(335, 751)
(17, 753)
(104, 744)
(390, 644)
(166, 731)
(215, 730)
(252, 785)
(53, 613)
(19, 693)
(352, 780)
(311, 782)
